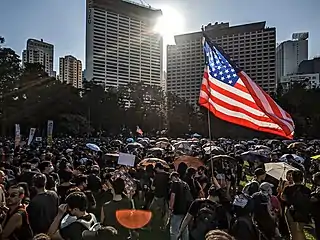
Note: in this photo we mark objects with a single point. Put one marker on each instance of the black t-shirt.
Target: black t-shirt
(299, 197)
(194, 187)
(291, 191)
(160, 183)
(221, 212)
(180, 203)
(42, 211)
(74, 230)
(109, 210)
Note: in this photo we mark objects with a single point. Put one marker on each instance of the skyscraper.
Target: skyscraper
(251, 46)
(121, 46)
(290, 54)
(70, 71)
(39, 52)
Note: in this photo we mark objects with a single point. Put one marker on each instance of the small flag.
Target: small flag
(139, 131)
(231, 95)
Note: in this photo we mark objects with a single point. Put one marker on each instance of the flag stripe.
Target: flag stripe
(238, 120)
(220, 101)
(268, 104)
(236, 99)
(241, 116)
(232, 101)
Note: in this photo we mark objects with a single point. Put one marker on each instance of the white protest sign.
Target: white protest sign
(31, 135)
(126, 159)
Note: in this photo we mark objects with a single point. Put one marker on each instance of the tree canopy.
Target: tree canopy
(29, 97)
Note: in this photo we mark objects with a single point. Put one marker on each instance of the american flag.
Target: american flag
(139, 131)
(231, 95)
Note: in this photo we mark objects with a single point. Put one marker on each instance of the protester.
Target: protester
(189, 200)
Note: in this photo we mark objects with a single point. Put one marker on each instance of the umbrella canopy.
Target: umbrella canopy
(152, 161)
(134, 145)
(116, 142)
(93, 147)
(295, 157)
(193, 162)
(144, 142)
(278, 169)
(130, 140)
(213, 149)
(258, 147)
(314, 142)
(133, 219)
(316, 157)
(163, 144)
(116, 155)
(254, 155)
(156, 149)
(274, 141)
(241, 146)
(164, 139)
(196, 135)
(297, 145)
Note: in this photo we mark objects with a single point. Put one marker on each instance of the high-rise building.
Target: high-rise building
(251, 46)
(70, 71)
(290, 54)
(309, 66)
(38, 51)
(121, 46)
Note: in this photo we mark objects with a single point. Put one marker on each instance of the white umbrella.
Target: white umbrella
(278, 169)
(93, 147)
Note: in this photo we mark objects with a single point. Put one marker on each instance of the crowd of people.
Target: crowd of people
(195, 189)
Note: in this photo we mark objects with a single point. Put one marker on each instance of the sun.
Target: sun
(169, 24)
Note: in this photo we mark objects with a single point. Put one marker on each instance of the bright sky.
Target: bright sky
(62, 22)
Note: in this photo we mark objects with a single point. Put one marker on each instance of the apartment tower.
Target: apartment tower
(251, 46)
(121, 46)
(290, 54)
(70, 71)
(38, 51)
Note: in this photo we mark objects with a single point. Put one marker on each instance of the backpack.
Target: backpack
(25, 231)
(248, 187)
(206, 219)
(300, 208)
(251, 226)
(88, 224)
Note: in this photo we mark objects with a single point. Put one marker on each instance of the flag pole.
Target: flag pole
(208, 115)
(210, 139)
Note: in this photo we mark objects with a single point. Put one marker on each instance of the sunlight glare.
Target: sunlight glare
(169, 24)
